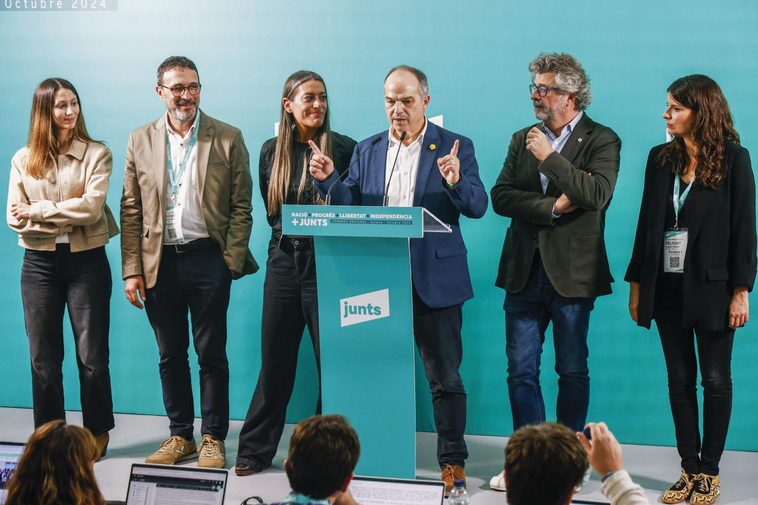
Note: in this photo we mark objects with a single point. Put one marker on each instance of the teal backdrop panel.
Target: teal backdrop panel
(475, 55)
(367, 358)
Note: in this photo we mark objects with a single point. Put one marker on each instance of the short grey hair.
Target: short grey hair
(423, 83)
(569, 75)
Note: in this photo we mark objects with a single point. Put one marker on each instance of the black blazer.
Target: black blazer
(721, 248)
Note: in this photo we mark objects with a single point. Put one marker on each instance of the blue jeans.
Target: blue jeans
(527, 315)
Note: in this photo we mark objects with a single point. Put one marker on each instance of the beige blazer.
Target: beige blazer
(70, 199)
(225, 187)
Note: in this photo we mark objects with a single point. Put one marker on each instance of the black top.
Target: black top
(342, 151)
(685, 216)
(721, 247)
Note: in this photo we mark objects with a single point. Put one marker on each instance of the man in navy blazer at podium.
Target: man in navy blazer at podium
(417, 163)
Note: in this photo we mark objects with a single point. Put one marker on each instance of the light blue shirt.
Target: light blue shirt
(557, 143)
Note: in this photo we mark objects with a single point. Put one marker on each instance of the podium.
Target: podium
(366, 323)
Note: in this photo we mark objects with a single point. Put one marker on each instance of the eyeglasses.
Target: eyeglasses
(541, 90)
(193, 89)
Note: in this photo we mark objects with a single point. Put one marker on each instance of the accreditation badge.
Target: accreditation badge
(674, 249)
(174, 223)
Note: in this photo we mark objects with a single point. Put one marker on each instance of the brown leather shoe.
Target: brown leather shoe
(243, 469)
(101, 443)
(449, 474)
(173, 450)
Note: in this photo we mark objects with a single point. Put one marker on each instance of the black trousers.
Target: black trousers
(438, 337)
(50, 281)
(714, 350)
(290, 302)
(192, 277)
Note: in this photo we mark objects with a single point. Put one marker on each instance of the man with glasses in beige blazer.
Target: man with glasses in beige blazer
(186, 221)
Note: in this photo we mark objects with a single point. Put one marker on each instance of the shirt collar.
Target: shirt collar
(420, 139)
(76, 149)
(192, 128)
(566, 129)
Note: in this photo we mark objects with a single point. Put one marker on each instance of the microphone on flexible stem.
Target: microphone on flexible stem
(328, 199)
(386, 199)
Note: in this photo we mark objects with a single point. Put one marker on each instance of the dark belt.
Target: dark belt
(194, 245)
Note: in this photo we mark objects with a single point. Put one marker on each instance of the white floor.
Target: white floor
(136, 436)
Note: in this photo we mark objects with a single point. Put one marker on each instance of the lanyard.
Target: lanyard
(173, 176)
(679, 201)
(301, 498)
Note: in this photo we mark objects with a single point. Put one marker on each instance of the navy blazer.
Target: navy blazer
(721, 250)
(438, 261)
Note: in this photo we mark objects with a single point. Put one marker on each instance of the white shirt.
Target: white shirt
(187, 193)
(402, 186)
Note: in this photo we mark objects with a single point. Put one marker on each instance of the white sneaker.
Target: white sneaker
(498, 482)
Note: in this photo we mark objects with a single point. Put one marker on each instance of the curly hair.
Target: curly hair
(56, 468)
(712, 128)
(569, 76)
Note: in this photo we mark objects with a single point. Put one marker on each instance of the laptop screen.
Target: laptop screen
(10, 452)
(379, 491)
(161, 485)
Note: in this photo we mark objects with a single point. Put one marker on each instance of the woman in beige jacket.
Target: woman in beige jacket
(56, 204)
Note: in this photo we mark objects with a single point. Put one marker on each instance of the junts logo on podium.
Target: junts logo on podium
(365, 307)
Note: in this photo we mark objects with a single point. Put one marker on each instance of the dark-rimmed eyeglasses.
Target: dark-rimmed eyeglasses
(541, 90)
(193, 89)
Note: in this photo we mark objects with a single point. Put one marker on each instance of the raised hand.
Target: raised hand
(450, 165)
(320, 166)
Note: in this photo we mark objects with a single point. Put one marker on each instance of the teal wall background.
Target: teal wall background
(475, 55)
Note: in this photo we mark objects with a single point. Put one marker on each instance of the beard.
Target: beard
(543, 113)
(183, 116)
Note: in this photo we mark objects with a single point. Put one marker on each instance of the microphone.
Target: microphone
(386, 199)
(328, 199)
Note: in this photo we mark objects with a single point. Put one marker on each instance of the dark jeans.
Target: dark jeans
(290, 302)
(527, 315)
(51, 280)
(714, 349)
(193, 276)
(438, 336)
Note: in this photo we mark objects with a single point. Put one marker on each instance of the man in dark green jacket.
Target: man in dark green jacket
(556, 184)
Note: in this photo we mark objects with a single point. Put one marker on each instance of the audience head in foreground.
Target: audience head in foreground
(543, 464)
(56, 468)
(322, 455)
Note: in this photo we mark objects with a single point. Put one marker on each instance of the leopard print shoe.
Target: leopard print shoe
(681, 490)
(706, 490)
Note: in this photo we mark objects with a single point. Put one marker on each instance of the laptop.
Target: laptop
(162, 485)
(10, 452)
(381, 491)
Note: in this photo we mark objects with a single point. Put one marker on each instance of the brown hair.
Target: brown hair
(284, 159)
(712, 128)
(322, 455)
(56, 468)
(543, 464)
(173, 62)
(43, 143)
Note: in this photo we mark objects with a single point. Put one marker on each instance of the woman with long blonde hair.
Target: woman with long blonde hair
(56, 468)
(56, 204)
(290, 301)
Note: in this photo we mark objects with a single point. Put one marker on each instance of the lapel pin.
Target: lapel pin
(578, 140)
(432, 147)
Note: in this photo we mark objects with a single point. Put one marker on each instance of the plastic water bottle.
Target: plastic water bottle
(458, 496)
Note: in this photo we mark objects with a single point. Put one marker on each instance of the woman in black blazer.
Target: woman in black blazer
(693, 263)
